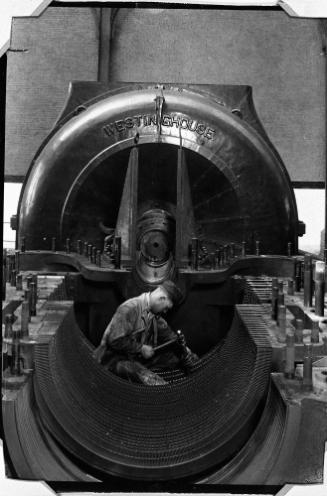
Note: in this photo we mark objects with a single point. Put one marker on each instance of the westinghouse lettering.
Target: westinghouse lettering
(168, 120)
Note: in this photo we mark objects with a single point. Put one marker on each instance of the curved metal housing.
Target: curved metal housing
(151, 175)
(239, 186)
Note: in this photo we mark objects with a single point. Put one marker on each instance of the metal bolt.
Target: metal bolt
(33, 299)
(8, 326)
(13, 278)
(17, 260)
(117, 245)
(281, 298)
(298, 276)
(194, 254)
(324, 340)
(23, 244)
(19, 282)
(89, 252)
(290, 287)
(94, 254)
(67, 245)
(290, 355)
(282, 323)
(217, 258)
(274, 303)
(15, 368)
(29, 280)
(315, 332)
(307, 366)
(319, 288)
(243, 248)
(289, 249)
(34, 279)
(4, 282)
(257, 248)
(299, 325)
(98, 258)
(25, 317)
(27, 297)
(79, 247)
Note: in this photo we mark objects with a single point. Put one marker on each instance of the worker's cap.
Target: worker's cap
(174, 293)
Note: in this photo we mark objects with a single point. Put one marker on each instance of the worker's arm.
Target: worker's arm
(119, 335)
(165, 333)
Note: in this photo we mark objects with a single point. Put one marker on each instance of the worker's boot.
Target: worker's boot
(149, 378)
(136, 372)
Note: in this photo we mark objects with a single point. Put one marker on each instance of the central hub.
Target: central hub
(155, 244)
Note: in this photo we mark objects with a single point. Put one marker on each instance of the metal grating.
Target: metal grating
(155, 432)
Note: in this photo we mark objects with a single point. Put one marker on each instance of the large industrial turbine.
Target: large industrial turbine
(136, 184)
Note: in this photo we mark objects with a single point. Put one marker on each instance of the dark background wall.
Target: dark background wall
(280, 57)
(46, 53)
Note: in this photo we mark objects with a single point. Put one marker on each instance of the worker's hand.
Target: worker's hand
(147, 351)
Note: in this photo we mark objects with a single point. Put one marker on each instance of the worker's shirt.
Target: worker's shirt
(133, 325)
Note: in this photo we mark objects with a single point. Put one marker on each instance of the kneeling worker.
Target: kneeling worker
(135, 331)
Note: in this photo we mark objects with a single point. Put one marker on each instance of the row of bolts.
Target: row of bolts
(11, 268)
(28, 310)
(303, 278)
(84, 248)
(222, 256)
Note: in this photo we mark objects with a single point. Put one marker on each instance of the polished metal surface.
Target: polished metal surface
(77, 151)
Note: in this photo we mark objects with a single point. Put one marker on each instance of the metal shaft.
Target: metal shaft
(307, 281)
(319, 288)
(290, 355)
(307, 366)
(4, 274)
(94, 254)
(27, 298)
(23, 244)
(17, 260)
(195, 254)
(299, 331)
(243, 249)
(13, 278)
(274, 303)
(79, 247)
(19, 282)
(289, 249)
(282, 323)
(33, 299)
(315, 332)
(298, 276)
(15, 368)
(257, 248)
(290, 287)
(117, 252)
(25, 317)
(8, 326)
